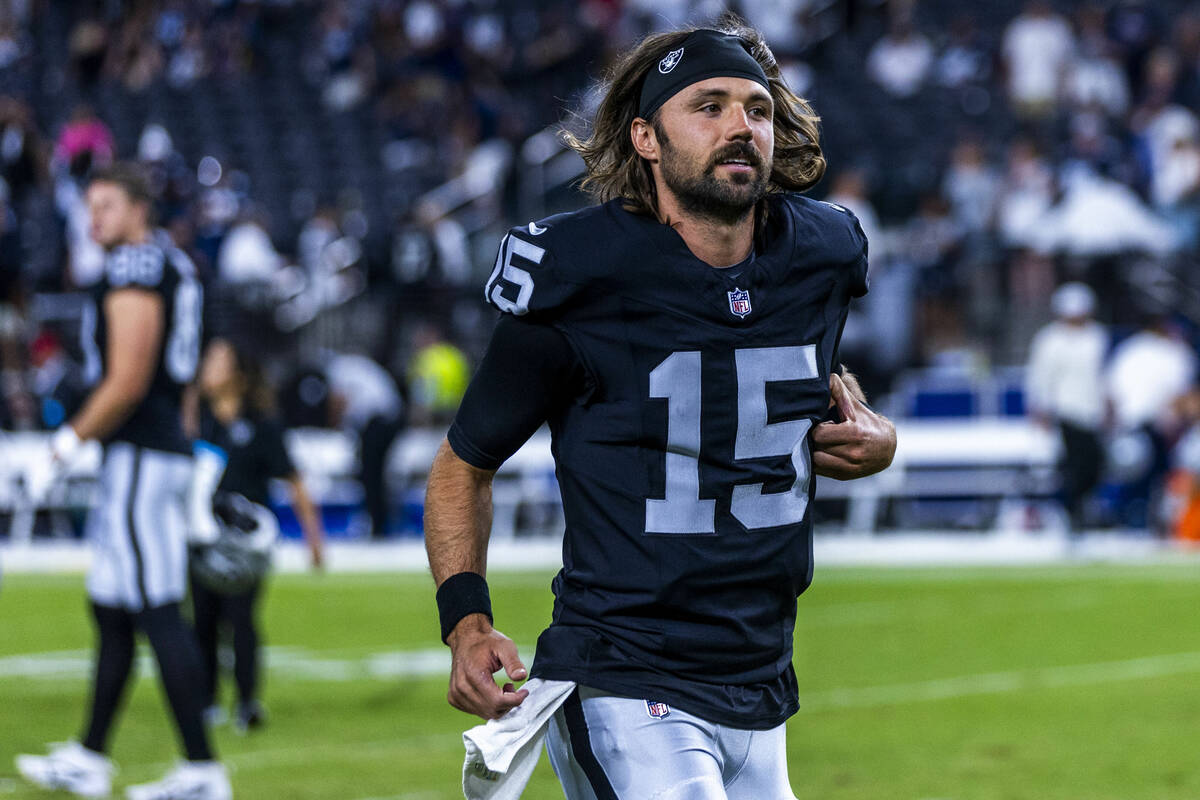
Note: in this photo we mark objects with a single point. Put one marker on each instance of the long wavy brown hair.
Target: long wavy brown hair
(614, 169)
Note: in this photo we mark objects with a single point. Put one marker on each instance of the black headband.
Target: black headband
(704, 54)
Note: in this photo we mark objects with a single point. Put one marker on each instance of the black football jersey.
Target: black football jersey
(684, 464)
(160, 267)
(255, 453)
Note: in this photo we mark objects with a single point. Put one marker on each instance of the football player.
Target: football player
(141, 337)
(681, 340)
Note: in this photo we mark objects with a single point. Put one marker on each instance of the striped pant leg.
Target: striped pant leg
(604, 747)
(137, 529)
(756, 764)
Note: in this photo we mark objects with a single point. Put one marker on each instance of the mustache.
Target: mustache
(742, 150)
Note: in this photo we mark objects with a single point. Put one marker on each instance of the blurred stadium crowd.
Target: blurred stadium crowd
(341, 171)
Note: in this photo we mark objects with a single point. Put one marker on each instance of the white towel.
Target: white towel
(502, 753)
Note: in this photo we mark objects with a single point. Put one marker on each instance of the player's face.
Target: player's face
(716, 140)
(219, 369)
(113, 213)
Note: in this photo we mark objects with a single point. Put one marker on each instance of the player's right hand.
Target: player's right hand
(41, 473)
(51, 465)
(477, 652)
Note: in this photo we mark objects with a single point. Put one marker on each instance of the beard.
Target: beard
(702, 193)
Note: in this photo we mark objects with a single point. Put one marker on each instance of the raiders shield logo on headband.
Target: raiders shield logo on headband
(670, 60)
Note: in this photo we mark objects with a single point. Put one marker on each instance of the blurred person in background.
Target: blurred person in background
(364, 398)
(141, 336)
(84, 144)
(1095, 80)
(85, 134)
(437, 377)
(247, 254)
(1182, 506)
(1065, 392)
(1037, 50)
(22, 151)
(15, 407)
(1146, 377)
(971, 186)
(237, 424)
(900, 61)
(54, 380)
(1026, 194)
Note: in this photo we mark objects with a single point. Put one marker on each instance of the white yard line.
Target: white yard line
(308, 754)
(300, 664)
(1001, 682)
(284, 663)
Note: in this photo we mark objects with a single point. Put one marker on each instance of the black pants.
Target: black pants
(209, 610)
(375, 441)
(179, 667)
(1080, 468)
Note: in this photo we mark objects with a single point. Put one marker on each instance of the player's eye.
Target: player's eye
(710, 107)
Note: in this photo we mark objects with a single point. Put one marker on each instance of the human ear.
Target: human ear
(645, 142)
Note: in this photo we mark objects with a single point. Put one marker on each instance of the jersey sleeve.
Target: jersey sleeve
(529, 370)
(848, 247)
(529, 277)
(135, 265)
(859, 281)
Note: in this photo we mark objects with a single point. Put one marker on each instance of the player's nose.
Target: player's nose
(738, 126)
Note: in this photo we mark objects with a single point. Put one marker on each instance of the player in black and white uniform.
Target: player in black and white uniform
(141, 337)
(681, 340)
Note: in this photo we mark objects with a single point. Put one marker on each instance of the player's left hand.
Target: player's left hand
(862, 444)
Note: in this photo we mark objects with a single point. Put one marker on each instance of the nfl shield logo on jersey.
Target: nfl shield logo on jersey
(739, 302)
(657, 710)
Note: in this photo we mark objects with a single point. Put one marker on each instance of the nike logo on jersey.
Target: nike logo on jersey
(536, 229)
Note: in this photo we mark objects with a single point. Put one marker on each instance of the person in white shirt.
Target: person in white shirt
(901, 60)
(1038, 47)
(1064, 389)
(1147, 375)
(367, 401)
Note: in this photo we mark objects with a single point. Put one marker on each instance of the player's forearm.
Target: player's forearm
(106, 409)
(306, 514)
(458, 516)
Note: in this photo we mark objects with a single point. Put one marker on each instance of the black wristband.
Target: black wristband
(460, 595)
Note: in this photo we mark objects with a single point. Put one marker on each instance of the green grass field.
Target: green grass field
(1058, 682)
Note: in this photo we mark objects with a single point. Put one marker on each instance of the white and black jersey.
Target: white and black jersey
(137, 530)
(159, 267)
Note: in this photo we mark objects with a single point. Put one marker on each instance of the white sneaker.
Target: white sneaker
(69, 766)
(190, 780)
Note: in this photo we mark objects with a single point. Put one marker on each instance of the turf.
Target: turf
(998, 684)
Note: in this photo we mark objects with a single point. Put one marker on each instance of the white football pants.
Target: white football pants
(605, 747)
(137, 528)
